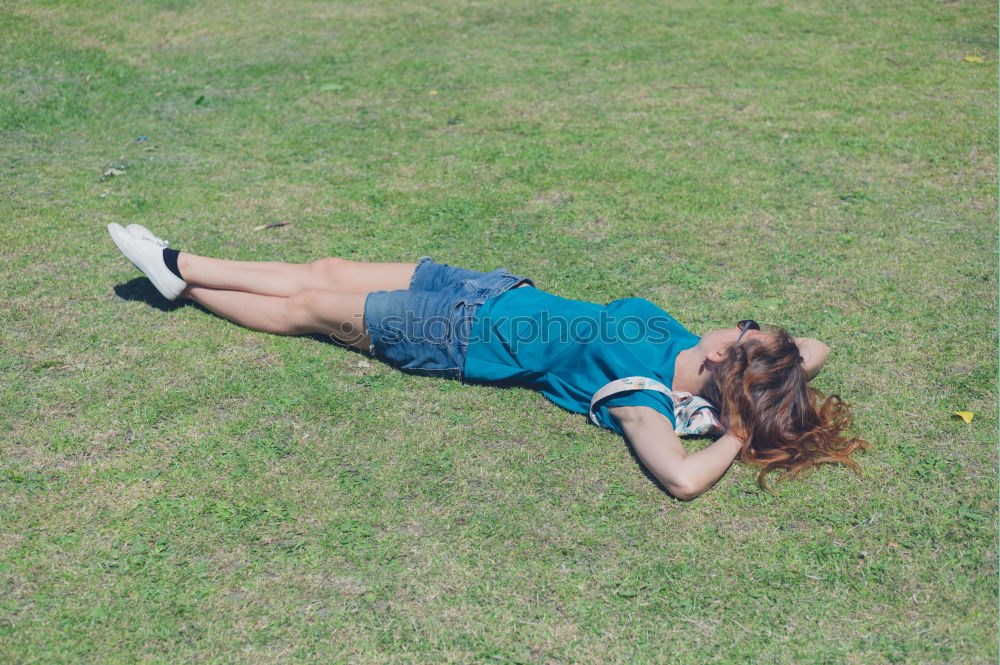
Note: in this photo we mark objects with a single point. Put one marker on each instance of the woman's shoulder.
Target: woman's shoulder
(651, 322)
(635, 303)
(639, 307)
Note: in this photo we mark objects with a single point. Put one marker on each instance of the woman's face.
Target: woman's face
(715, 343)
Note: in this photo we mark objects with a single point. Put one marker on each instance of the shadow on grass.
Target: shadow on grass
(642, 467)
(142, 290)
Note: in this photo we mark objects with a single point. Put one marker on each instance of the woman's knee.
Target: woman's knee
(300, 315)
(330, 270)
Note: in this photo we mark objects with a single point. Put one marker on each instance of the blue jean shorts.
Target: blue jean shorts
(425, 329)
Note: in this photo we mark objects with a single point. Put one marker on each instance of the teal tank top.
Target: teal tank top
(568, 349)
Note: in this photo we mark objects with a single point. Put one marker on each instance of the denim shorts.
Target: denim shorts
(425, 329)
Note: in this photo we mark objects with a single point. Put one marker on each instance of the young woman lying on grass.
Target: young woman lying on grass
(435, 319)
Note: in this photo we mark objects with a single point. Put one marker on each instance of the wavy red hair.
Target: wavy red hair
(765, 399)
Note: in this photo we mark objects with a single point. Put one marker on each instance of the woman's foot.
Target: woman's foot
(140, 231)
(146, 253)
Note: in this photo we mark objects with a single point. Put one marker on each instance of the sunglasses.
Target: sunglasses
(744, 326)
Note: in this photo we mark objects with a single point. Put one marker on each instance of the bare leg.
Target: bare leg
(334, 313)
(272, 278)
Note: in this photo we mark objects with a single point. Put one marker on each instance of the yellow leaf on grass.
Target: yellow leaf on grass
(965, 415)
(972, 58)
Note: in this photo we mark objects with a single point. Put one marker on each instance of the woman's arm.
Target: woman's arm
(813, 352)
(653, 438)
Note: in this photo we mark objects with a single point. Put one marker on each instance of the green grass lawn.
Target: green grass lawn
(176, 489)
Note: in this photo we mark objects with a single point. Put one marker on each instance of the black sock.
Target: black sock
(170, 258)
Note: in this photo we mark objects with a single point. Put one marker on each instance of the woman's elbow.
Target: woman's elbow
(684, 491)
(814, 353)
(823, 351)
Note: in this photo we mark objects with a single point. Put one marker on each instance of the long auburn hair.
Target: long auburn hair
(764, 398)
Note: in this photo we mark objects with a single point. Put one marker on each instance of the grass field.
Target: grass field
(175, 489)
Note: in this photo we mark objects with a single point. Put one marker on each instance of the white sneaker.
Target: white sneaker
(147, 256)
(140, 231)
